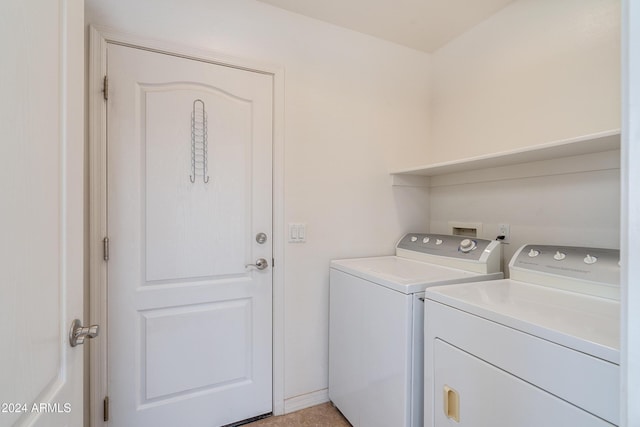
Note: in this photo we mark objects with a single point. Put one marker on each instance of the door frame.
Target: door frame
(99, 38)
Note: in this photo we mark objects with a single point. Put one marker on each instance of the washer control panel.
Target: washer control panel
(445, 245)
(592, 264)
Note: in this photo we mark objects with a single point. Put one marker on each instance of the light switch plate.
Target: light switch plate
(297, 232)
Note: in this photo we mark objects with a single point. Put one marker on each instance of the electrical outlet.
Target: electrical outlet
(504, 230)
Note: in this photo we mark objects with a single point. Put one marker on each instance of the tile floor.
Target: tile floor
(325, 415)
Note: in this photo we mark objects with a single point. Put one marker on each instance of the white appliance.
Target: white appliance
(376, 323)
(538, 349)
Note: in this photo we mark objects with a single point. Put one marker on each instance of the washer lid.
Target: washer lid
(406, 275)
(585, 323)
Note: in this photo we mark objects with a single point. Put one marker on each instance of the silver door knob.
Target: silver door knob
(78, 333)
(260, 264)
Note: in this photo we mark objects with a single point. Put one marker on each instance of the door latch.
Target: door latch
(78, 333)
(260, 264)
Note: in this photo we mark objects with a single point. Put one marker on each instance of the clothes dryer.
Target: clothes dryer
(538, 349)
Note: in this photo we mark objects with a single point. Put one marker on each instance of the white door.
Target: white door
(189, 192)
(41, 202)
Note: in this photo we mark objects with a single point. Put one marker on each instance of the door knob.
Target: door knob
(260, 264)
(78, 333)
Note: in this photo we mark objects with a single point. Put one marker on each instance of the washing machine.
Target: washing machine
(376, 315)
(538, 349)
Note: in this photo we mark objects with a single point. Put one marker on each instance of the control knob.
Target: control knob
(425, 240)
(589, 259)
(559, 256)
(414, 239)
(534, 253)
(438, 241)
(467, 245)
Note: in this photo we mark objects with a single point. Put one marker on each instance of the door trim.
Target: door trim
(97, 139)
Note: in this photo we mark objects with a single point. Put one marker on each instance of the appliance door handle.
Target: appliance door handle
(451, 403)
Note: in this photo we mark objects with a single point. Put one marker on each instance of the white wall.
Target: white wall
(536, 71)
(573, 201)
(355, 107)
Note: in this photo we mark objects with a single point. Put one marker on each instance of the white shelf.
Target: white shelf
(588, 144)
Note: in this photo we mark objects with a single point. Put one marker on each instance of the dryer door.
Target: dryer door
(480, 394)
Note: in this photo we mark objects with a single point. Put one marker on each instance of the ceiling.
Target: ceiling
(425, 25)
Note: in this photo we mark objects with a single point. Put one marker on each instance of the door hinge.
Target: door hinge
(105, 88)
(105, 409)
(105, 249)
(273, 262)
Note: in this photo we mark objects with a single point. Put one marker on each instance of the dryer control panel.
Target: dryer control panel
(594, 271)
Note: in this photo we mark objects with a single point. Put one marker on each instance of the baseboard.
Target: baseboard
(296, 403)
